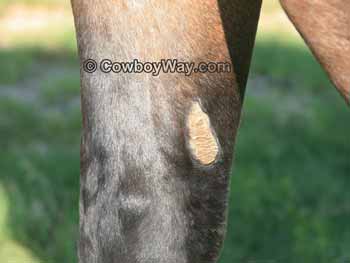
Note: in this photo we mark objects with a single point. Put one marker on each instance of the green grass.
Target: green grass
(21, 63)
(289, 198)
(60, 91)
(288, 61)
(40, 171)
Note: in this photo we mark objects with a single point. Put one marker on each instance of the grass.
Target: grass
(40, 170)
(21, 63)
(289, 198)
(61, 90)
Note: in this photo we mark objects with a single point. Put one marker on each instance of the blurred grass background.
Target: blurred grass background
(290, 199)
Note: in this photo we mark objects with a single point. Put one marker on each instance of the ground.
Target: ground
(289, 201)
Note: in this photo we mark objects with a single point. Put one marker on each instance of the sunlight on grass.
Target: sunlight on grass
(274, 22)
(13, 252)
(31, 36)
(37, 26)
(4, 207)
(271, 6)
(10, 250)
(52, 4)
